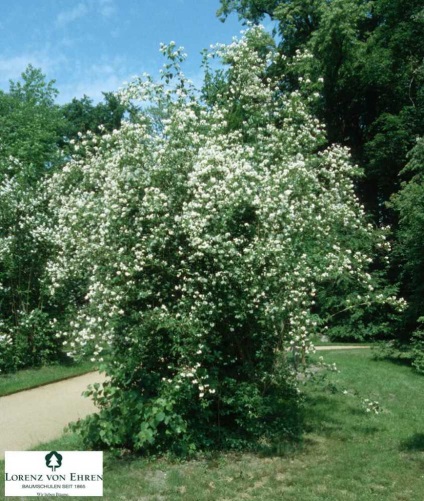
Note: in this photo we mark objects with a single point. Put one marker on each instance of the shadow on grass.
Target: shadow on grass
(320, 414)
(366, 429)
(413, 443)
(357, 411)
(283, 448)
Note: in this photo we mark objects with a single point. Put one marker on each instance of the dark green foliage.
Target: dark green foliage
(409, 204)
(82, 115)
(365, 319)
(418, 350)
(251, 10)
(139, 411)
(370, 54)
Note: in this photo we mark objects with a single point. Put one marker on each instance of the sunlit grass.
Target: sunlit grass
(31, 378)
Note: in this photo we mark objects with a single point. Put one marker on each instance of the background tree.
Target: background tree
(82, 115)
(31, 128)
(31, 124)
(370, 54)
(409, 203)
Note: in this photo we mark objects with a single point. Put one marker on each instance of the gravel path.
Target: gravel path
(31, 417)
(345, 347)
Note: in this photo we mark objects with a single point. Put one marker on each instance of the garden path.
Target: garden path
(341, 347)
(31, 417)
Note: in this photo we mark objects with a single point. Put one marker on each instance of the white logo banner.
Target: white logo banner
(53, 473)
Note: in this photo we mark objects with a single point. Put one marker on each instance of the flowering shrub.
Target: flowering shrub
(192, 246)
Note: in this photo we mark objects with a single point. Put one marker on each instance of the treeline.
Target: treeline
(371, 57)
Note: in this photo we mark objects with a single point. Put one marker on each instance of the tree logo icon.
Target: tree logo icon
(54, 460)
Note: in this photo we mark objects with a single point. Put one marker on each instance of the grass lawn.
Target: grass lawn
(31, 378)
(346, 454)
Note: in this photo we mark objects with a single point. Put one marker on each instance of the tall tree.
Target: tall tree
(370, 54)
(31, 128)
(31, 124)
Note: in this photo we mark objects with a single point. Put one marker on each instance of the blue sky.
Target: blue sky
(90, 46)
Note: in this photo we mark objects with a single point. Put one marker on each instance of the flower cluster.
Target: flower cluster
(371, 406)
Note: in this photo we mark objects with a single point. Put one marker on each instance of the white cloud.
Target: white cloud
(69, 16)
(12, 67)
(93, 88)
(107, 8)
(104, 76)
